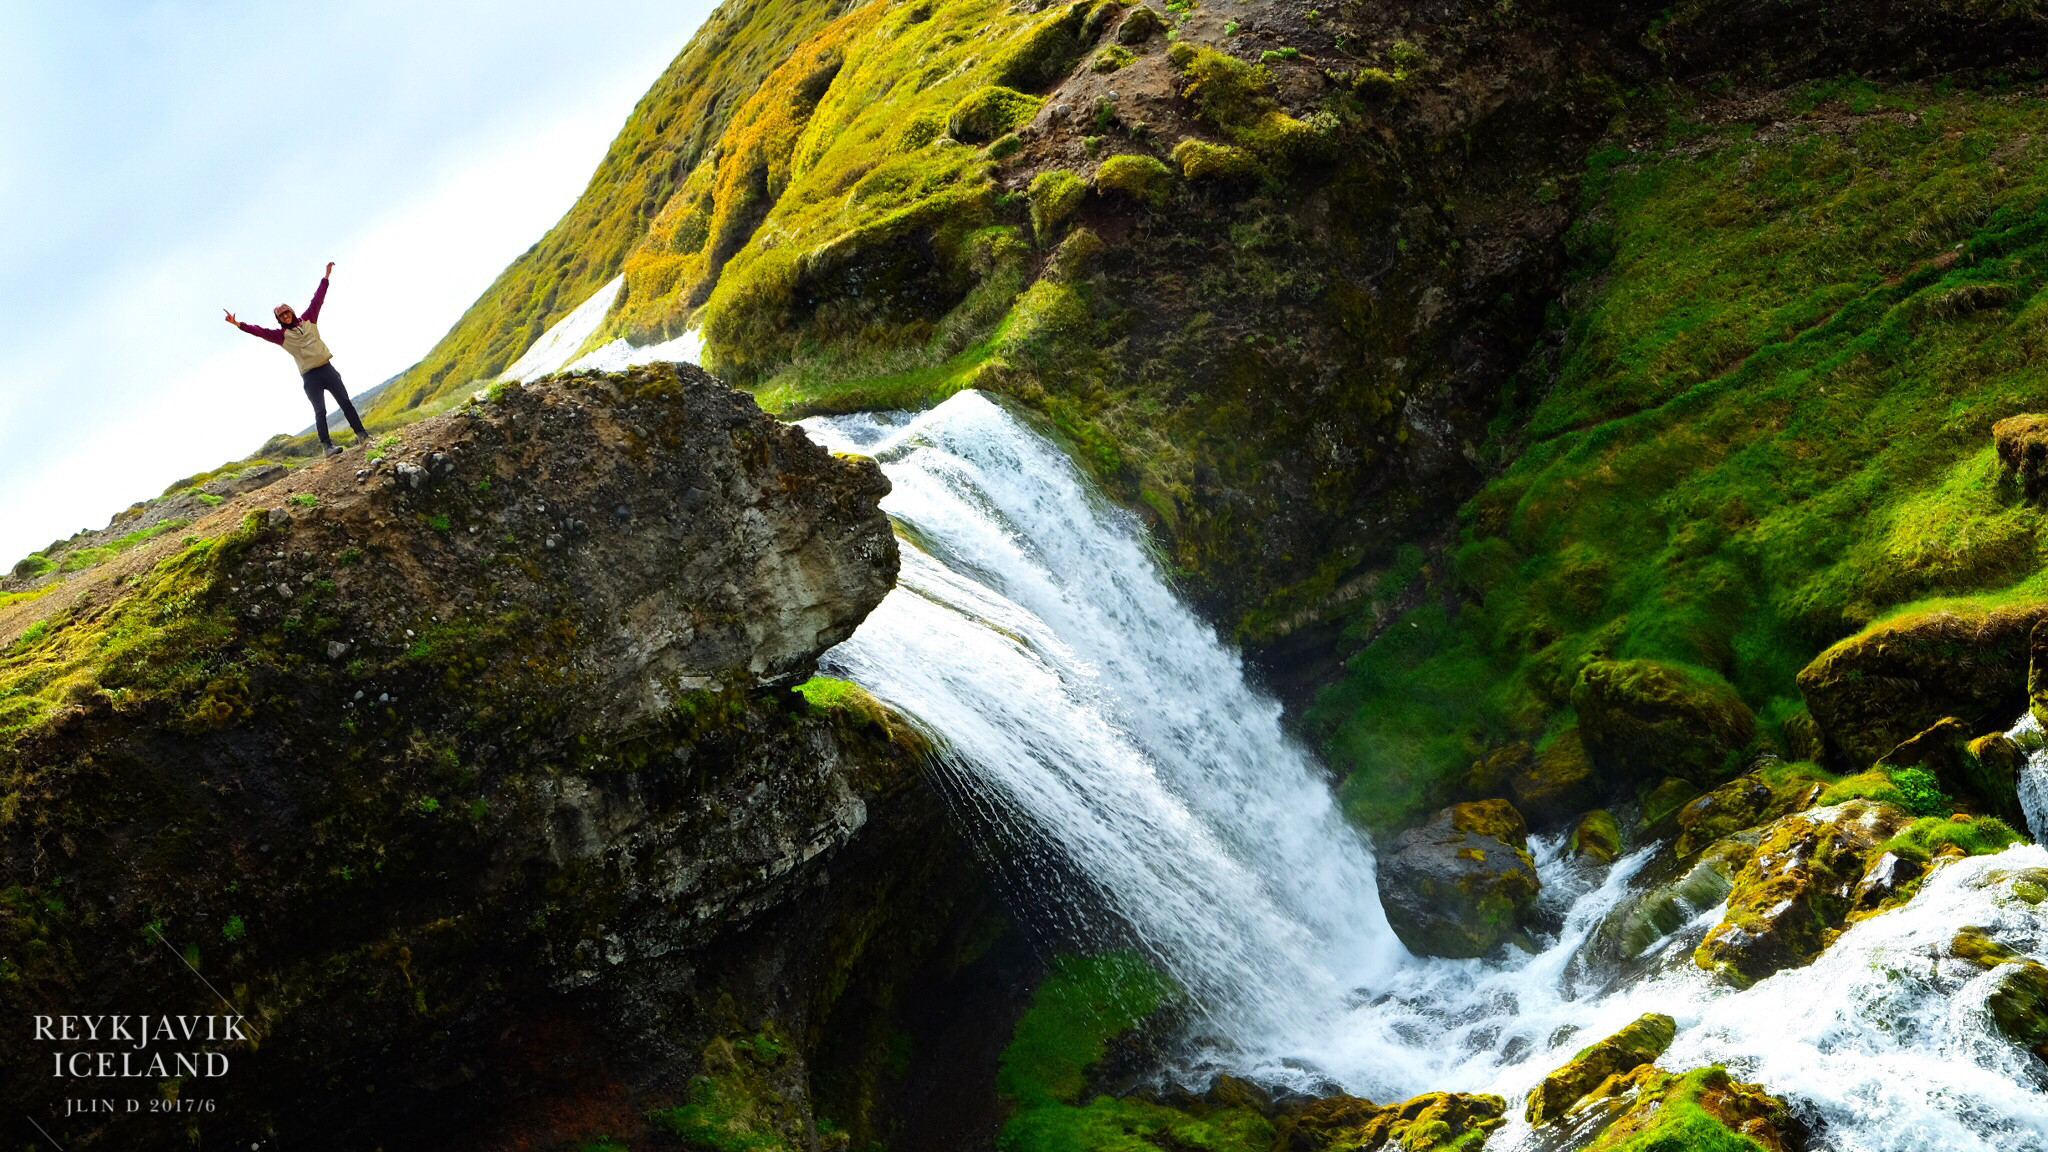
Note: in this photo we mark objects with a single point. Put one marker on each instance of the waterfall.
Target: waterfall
(1080, 699)
(2033, 782)
(1079, 703)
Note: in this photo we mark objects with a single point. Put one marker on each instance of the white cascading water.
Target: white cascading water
(1081, 703)
(1080, 700)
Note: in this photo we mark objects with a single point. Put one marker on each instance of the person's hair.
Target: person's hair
(282, 308)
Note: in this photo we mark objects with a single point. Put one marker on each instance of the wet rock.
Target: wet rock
(1744, 802)
(1976, 946)
(1648, 1108)
(1462, 884)
(1663, 803)
(1640, 1043)
(1896, 679)
(1436, 1122)
(1790, 900)
(1598, 836)
(2023, 451)
(1665, 908)
(1556, 783)
(1886, 877)
(1643, 717)
(2019, 1005)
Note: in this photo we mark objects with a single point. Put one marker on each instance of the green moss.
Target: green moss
(1084, 1003)
(1203, 162)
(1139, 177)
(990, 111)
(1054, 196)
(1044, 54)
(1112, 58)
(80, 559)
(1770, 426)
(169, 638)
(732, 1106)
(1700, 1111)
(1236, 98)
(1971, 836)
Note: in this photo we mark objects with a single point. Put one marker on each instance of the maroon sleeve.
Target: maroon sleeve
(319, 297)
(274, 335)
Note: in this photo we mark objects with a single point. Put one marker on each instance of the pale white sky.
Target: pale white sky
(160, 161)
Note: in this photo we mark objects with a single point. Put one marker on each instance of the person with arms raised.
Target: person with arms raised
(300, 336)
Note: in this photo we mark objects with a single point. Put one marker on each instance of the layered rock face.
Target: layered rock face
(465, 770)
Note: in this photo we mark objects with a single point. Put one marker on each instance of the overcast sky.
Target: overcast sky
(160, 161)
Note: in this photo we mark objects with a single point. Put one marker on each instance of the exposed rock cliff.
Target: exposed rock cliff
(440, 767)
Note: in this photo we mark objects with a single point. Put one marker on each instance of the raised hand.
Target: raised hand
(231, 317)
(330, 267)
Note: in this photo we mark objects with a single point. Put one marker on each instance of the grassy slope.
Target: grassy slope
(1771, 424)
(662, 141)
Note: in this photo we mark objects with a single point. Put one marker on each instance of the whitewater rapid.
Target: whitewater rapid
(1083, 707)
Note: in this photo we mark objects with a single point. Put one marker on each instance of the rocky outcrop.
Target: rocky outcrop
(1640, 1043)
(1896, 679)
(1461, 884)
(1644, 718)
(1791, 899)
(1437, 1122)
(441, 767)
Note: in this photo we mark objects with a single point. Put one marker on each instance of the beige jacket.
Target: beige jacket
(302, 340)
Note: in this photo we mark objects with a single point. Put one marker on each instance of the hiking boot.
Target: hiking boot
(333, 451)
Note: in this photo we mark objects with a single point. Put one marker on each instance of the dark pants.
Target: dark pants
(326, 379)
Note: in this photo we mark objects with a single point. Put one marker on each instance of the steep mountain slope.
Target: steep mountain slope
(669, 132)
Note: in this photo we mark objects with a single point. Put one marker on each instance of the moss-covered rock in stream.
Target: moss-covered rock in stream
(1644, 716)
(1748, 801)
(1641, 1042)
(1461, 884)
(1896, 679)
(478, 755)
(2018, 1002)
(1435, 1122)
(1704, 1110)
(1597, 836)
(1791, 899)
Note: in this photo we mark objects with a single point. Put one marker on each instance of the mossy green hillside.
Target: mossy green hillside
(682, 117)
(1769, 426)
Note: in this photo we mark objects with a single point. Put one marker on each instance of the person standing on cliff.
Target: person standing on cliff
(300, 336)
